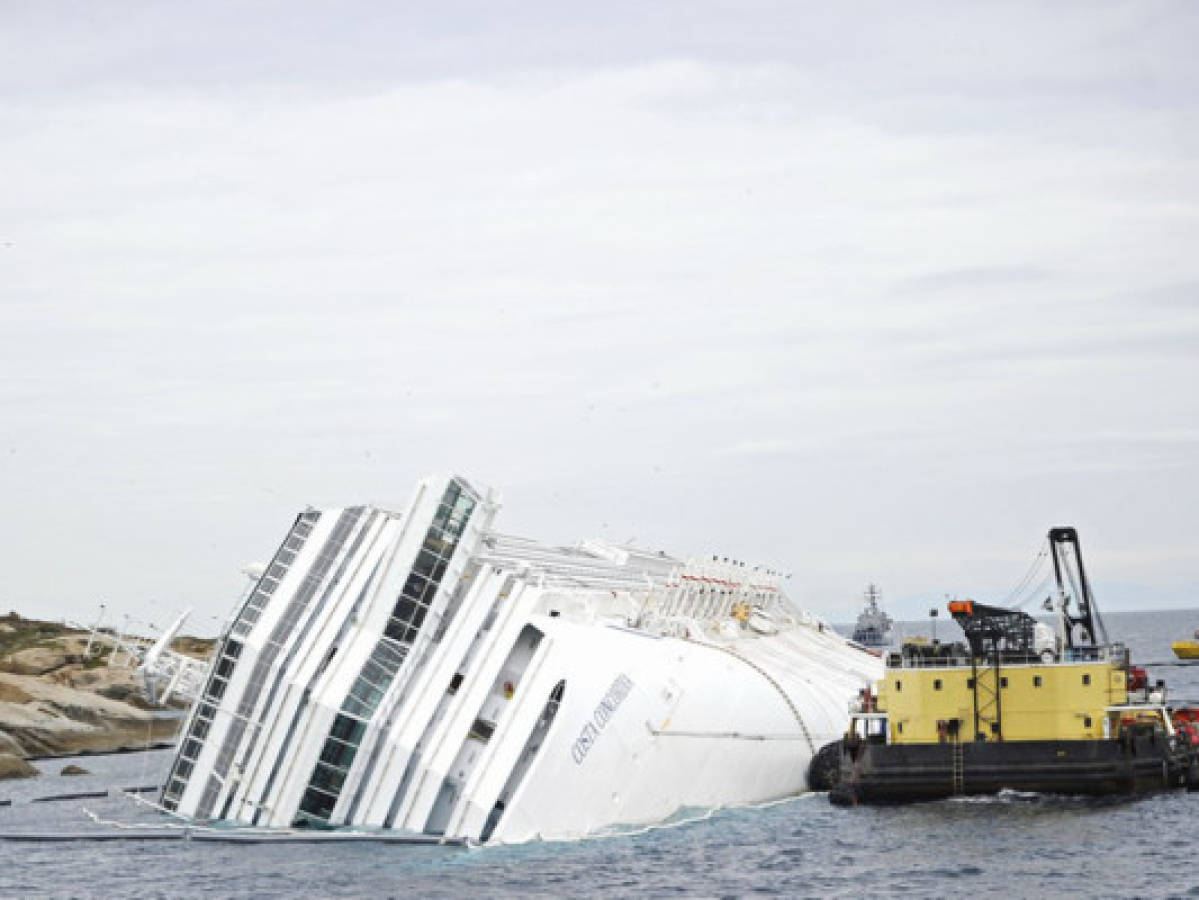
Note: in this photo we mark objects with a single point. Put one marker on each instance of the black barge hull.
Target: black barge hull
(897, 773)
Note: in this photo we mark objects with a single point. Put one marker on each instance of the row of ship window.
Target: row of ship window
(265, 588)
(201, 723)
(1036, 682)
(219, 679)
(377, 675)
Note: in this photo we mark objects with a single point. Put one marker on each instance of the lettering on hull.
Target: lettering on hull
(620, 688)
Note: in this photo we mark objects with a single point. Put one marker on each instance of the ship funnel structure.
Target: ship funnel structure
(1083, 628)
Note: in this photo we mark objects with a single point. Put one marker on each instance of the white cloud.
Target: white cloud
(867, 297)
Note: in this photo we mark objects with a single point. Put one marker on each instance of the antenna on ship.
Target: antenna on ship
(872, 595)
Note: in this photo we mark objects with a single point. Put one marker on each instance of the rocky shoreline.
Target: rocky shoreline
(56, 701)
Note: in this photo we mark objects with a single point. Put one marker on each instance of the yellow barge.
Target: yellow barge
(1017, 706)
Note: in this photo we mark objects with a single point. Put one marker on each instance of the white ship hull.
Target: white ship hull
(420, 672)
(701, 727)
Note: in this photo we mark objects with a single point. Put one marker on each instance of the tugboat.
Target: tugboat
(1017, 706)
(873, 628)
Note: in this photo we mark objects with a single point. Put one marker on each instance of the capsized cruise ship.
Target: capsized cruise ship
(423, 672)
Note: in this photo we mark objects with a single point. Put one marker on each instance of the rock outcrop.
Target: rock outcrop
(54, 701)
(60, 720)
(13, 766)
(37, 661)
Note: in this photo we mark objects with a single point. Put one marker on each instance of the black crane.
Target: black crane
(998, 635)
(1085, 628)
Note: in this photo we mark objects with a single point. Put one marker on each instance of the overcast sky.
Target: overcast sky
(865, 291)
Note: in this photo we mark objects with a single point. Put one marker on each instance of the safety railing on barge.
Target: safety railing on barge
(950, 656)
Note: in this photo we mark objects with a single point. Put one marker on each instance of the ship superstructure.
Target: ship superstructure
(420, 671)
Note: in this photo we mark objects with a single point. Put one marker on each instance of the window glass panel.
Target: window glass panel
(317, 804)
(425, 563)
(455, 526)
(415, 587)
(395, 629)
(482, 730)
(336, 753)
(348, 729)
(217, 690)
(404, 609)
(367, 694)
(328, 778)
(442, 516)
(400, 633)
(464, 506)
(435, 543)
(353, 707)
(388, 655)
(373, 673)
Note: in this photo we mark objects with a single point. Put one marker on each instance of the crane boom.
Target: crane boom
(1084, 628)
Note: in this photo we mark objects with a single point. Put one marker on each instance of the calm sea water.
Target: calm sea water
(1024, 845)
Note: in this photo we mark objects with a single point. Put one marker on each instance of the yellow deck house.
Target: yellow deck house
(1064, 701)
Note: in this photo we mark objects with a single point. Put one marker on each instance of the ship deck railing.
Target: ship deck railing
(929, 659)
